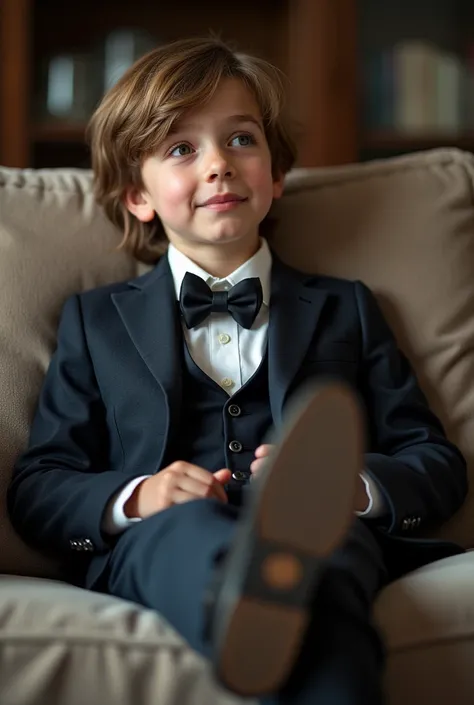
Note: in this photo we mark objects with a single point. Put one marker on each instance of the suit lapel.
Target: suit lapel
(149, 312)
(295, 309)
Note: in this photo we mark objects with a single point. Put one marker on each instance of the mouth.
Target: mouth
(223, 201)
(224, 206)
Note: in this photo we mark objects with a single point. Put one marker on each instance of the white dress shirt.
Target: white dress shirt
(228, 354)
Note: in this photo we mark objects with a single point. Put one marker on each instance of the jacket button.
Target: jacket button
(235, 446)
(239, 476)
(234, 410)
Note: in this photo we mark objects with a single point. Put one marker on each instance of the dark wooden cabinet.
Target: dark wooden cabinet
(312, 41)
(320, 45)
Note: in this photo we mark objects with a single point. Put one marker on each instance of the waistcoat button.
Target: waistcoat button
(235, 446)
(239, 476)
(234, 410)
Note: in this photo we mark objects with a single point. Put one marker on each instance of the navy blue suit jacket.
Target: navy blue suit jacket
(110, 405)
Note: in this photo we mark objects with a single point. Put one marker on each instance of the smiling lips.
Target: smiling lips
(223, 202)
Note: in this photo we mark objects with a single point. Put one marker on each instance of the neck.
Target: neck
(222, 261)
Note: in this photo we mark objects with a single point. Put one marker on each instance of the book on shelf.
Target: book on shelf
(449, 73)
(414, 66)
(467, 99)
(378, 90)
(415, 88)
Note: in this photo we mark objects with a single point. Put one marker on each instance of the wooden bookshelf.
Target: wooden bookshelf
(416, 67)
(293, 34)
(318, 44)
(15, 71)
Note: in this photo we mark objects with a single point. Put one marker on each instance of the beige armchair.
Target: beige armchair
(404, 226)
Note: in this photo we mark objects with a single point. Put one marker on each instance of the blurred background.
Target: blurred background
(366, 78)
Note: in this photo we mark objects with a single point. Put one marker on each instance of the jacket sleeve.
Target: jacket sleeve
(61, 485)
(422, 475)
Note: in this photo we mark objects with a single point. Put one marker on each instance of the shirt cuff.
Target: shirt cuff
(377, 506)
(115, 520)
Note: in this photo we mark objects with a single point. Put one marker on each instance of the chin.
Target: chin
(234, 231)
(233, 239)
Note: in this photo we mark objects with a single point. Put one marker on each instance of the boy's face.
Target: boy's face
(219, 150)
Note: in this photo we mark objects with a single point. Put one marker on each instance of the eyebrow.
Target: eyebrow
(231, 119)
(244, 118)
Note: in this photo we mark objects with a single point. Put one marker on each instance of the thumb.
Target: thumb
(223, 476)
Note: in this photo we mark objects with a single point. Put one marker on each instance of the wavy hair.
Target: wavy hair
(139, 111)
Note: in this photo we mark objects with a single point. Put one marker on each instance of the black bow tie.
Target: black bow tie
(197, 301)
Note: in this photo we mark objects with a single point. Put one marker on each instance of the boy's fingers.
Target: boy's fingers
(210, 479)
(195, 478)
(257, 465)
(264, 450)
(223, 476)
(181, 496)
(196, 489)
(219, 492)
(196, 472)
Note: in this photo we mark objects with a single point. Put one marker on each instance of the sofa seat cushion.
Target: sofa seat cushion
(427, 620)
(63, 645)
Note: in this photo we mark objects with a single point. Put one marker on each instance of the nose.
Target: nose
(218, 166)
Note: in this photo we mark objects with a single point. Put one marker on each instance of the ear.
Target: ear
(139, 204)
(278, 185)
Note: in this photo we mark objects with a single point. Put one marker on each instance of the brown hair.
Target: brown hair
(137, 113)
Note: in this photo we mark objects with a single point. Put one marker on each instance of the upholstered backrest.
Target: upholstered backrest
(404, 226)
(54, 240)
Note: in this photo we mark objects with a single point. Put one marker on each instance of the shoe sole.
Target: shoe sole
(300, 512)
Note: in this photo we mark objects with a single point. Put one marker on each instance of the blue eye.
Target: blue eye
(180, 149)
(244, 140)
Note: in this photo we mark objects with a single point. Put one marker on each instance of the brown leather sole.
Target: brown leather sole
(299, 512)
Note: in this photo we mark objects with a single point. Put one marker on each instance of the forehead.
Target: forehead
(232, 102)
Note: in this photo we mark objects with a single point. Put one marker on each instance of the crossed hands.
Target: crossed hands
(182, 482)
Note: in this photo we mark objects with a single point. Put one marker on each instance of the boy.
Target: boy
(162, 391)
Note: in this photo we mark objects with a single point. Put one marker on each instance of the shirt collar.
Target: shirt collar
(259, 265)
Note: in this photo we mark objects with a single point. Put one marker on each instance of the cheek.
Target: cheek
(259, 177)
(172, 192)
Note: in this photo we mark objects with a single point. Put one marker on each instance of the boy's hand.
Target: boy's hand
(178, 483)
(264, 451)
(261, 454)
